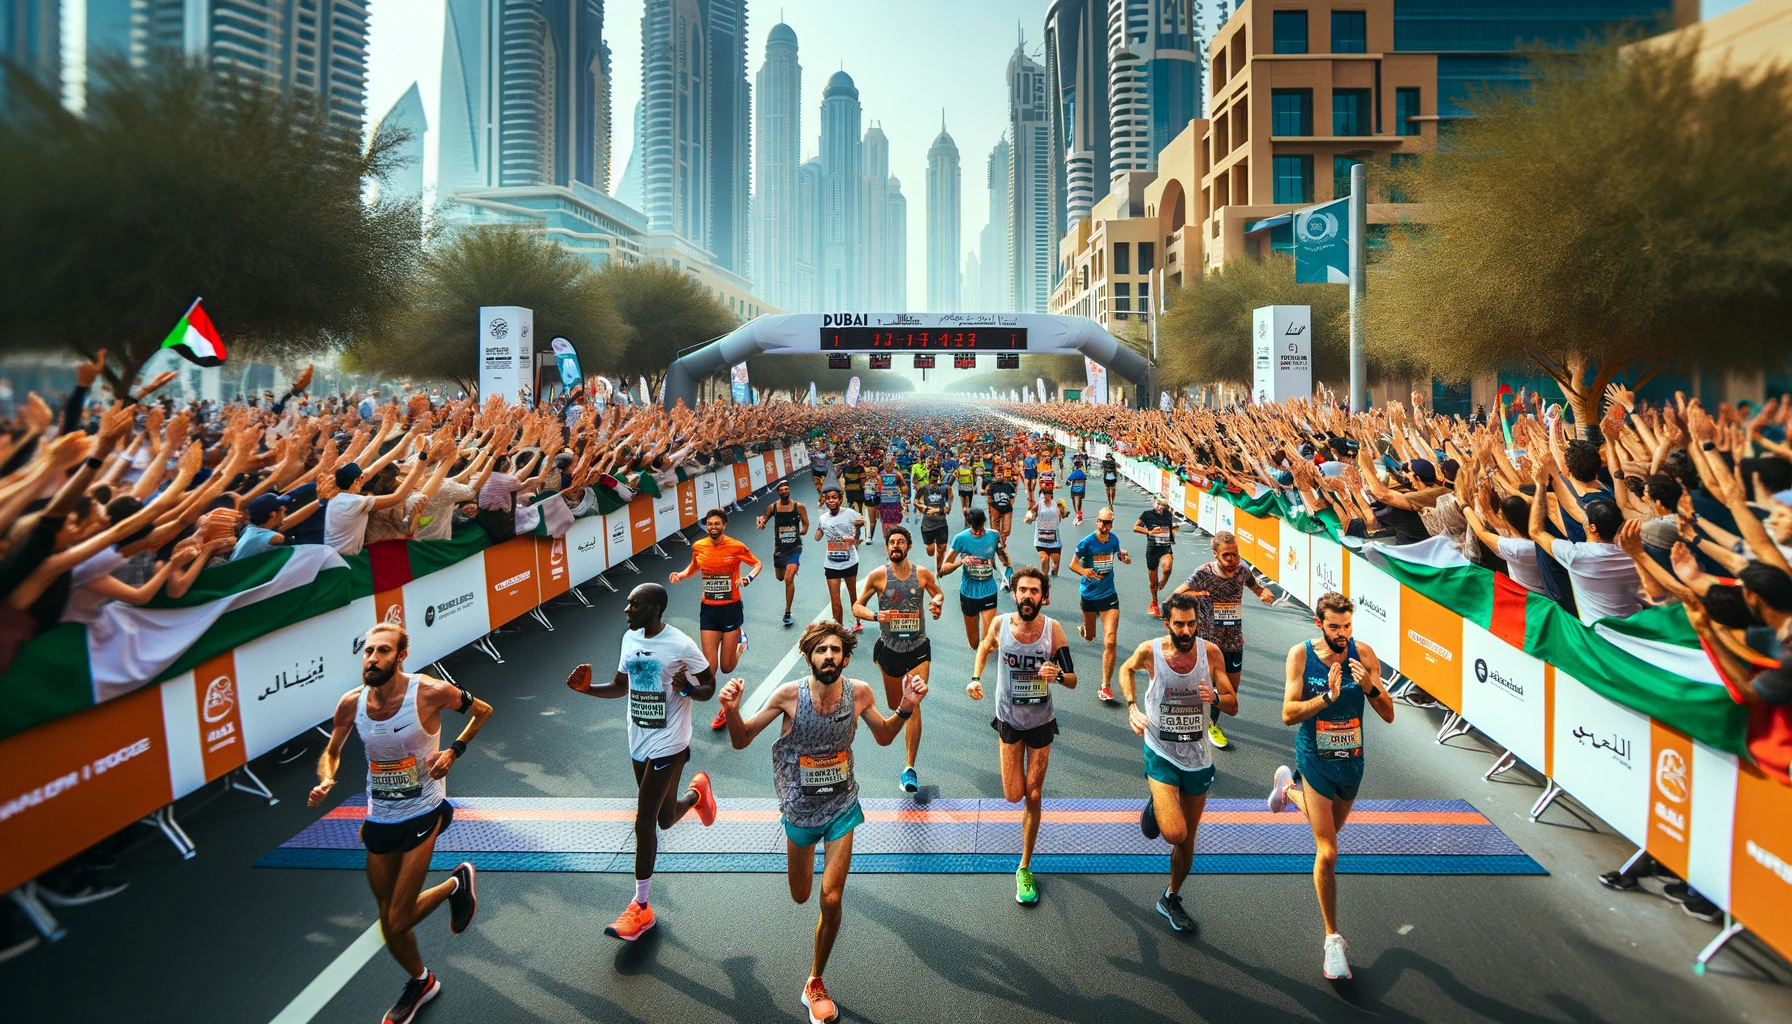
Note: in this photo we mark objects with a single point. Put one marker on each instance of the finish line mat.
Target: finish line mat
(1383, 837)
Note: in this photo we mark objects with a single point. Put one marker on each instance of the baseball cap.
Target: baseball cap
(264, 506)
(1424, 470)
(347, 475)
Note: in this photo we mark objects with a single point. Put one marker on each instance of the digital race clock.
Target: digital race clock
(892, 339)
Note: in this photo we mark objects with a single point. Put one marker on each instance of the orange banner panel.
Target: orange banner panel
(1670, 797)
(1431, 647)
(1760, 859)
(743, 480)
(550, 567)
(220, 722)
(687, 504)
(388, 606)
(1260, 542)
(510, 584)
(640, 523)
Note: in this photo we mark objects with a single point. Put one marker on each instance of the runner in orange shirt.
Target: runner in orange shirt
(718, 558)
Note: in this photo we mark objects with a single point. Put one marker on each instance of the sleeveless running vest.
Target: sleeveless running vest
(788, 527)
(1023, 700)
(398, 751)
(909, 629)
(1045, 526)
(1331, 742)
(812, 763)
(1178, 730)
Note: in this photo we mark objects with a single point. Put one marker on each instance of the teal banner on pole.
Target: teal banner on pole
(1322, 243)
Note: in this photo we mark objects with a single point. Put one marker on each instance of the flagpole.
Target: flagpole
(1359, 283)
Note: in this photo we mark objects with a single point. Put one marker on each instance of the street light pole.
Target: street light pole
(1359, 282)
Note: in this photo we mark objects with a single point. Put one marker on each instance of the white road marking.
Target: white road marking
(755, 701)
(324, 987)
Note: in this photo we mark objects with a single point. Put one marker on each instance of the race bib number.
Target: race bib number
(1181, 717)
(840, 551)
(1101, 564)
(787, 536)
(1026, 688)
(647, 708)
(1226, 613)
(1077, 487)
(1048, 534)
(1160, 535)
(1109, 476)
(905, 624)
(1339, 739)
(394, 780)
(825, 774)
(1002, 501)
(718, 586)
(979, 568)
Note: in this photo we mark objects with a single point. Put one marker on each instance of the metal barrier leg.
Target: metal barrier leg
(607, 585)
(1501, 766)
(163, 819)
(1454, 725)
(25, 897)
(629, 564)
(244, 780)
(656, 549)
(1732, 928)
(579, 596)
(441, 672)
(679, 535)
(540, 616)
(1550, 792)
(485, 644)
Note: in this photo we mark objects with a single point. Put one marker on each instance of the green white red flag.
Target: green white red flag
(195, 339)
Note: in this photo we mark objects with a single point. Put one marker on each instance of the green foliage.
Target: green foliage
(1205, 334)
(668, 313)
(1628, 209)
(179, 183)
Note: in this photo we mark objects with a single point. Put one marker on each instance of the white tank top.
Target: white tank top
(1178, 730)
(1023, 700)
(398, 752)
(1045, 525)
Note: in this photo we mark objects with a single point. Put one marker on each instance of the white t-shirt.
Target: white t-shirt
(659, 718)
(839, 532)
(345, 522)
(1520, 554)
(1605, 579)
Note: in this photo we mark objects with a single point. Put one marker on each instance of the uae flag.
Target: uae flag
(195, 338)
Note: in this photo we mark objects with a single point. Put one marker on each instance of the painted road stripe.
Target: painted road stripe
(324, 987)
(756, 700)
(943, 817)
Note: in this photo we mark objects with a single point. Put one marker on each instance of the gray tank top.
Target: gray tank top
(909, 630)
(1172, 702)
(812, 763)
(1045, 525)
(1023, 700)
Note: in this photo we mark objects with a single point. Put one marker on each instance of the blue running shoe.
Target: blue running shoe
(911, 783)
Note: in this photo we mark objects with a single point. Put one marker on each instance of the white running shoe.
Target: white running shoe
(1278, 793)
(1337, 961)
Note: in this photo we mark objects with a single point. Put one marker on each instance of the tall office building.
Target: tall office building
(778, 133)
(1154, 78)
(1076, 103)
(944, 187)
(992, 243)
(525, 94)
(895, 284)
(842, 248)
(885, 237)
(629, 187)
(31, 37)
(805, 243)
(970, 294)
(403, 180)
(1029, 185)
(730, 141)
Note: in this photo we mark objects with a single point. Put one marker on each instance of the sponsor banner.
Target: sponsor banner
(708, 496)
(755, 467)
(641, 532)
(1761, 861)
(388, 606)
(743, 480)
(665, 514)
(1259, 541)
(724, 490)
(290, 680)
(1225, 515)
(1191, 504)
(1670, 797)
(1293, 571)
(585, 556)
(1377, 598)
(1170, 489)
(1714, 774)
(618, 540)
(1505, 694)
(551, 569)
(1601, 754)
(785, 466)
(217, 706)
(73, 781)
(1431, 647)
(510, 585)
(799, 455)
(687, 503)
(447, 610)
(771, 470)
(1209, 517)
(1326, 567)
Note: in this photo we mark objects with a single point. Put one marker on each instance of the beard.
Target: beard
(1029, 610)
(375, 676)
(898, 557)
(1182, 643)
(827, 674)
(1339, 645)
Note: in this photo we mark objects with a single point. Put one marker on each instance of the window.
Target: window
(1122, 258)
(1397, 162)
(1291, 112)
(1144, 296)
(1406, 107)
(1349, 32)
(1290, 31)
(1350, 112)
(1122, 297)
(1341, 166)
(1148, 253)
(1294, 179)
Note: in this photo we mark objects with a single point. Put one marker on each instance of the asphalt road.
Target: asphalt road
(217, 940)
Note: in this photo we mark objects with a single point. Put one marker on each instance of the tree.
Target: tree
(1625, 211)
(1205, 334)
(175, 183)
(495, 266)
(669, 313)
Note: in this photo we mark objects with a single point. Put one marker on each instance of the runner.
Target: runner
(655, 672)
(1180, 685)
(1110, 475)
(1219, 587)
(1094, 562)
(840, 528)
(819, 464)
(812, 767)
(873, 497)
(1159, 527)
(721, 619)
(935, 502)
(976, 548)
(852, 477)
(893, 492)
(966, 486)
(791, 519)
(1029, 471)
(1048, 480)
(1079, 483)
(1001, 503)
(1048, 519)
(1035, 654)
(902, 647)
(398, 715)
(1324, 695)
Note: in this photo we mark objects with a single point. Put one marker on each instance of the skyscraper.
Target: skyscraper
(992, 243)
(971, 293)
(1029, 185)
(842, 248)
(895, 283)
(778, 130)
(403, 182)
(630, 188)
(730, 141)
(885, 237)
(806, 242)
(31, 37)
(1076, 99)
(525, 95)
(1154, 78)
(944, 187)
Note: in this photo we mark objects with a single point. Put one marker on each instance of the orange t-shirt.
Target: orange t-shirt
(719, 564)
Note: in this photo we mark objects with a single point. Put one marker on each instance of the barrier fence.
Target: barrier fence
(76, 779)
(1709, 816)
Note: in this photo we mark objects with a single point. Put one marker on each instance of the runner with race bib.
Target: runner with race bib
(1094, 562)
(790, 520)
(839, 528)
(721, 619)
(902, 646)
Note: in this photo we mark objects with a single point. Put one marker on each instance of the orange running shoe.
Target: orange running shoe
(720, 721)
(635, 920)
(706, 798)
(821, 1009)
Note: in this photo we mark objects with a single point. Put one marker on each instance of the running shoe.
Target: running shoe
(857, 626)
(911, 783)
(1278, 792)
(815, 999)
(1106, 693)
(720, 721)
(1620, 881)
(1170, 905)
(1216, 737)
(787, 619)
(1026, 891)
(1678, 892)
(1148, 820)
(635, 920)
(417, 991)
(464, 900)
(706, 799)
(741, 647)
(1079, 519)
(1702, 908)
(1153, 611)
(1337, 959)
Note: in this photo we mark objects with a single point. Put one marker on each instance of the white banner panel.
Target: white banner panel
(1377, 618)
(1325, 567)
(446, 610)
(665, 513)
(1602, 756)
(1713, 823)
(1281, 353)
(1292, 573)
(291, 680)
(1225, 516)
(1503, 694)
(756, 472)
(799, 455)
(707, 498)
(617, 539)
(506, 348)
(1209, 520)
(724, 489)
(585, 555)
(186, 765)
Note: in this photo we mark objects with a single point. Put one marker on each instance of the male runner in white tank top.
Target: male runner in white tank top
(399, 718)
(1185, 677)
